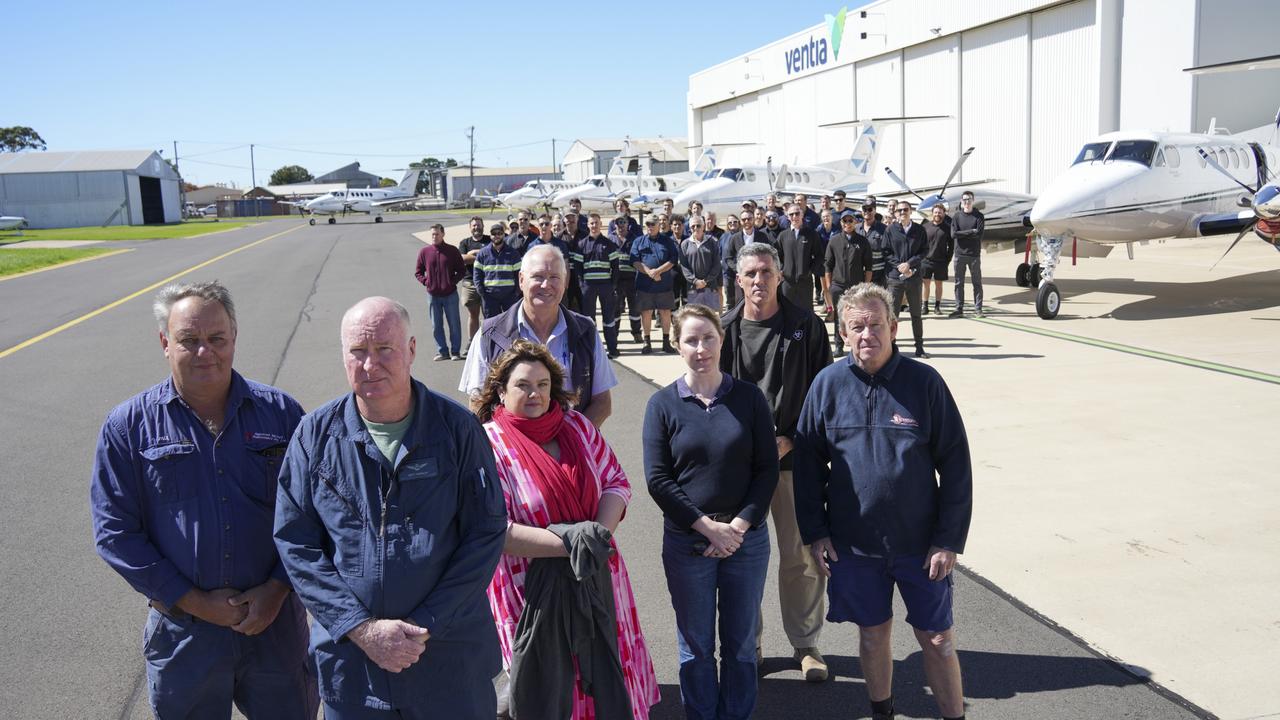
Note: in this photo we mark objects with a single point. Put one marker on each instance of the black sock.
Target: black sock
(958, 717)
(882, 707)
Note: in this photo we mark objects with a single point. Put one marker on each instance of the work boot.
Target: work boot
(666, 346)
(937, 308)
(647, 349)
(925, 310)
(811, 664)
(958, 312)
(920, 353)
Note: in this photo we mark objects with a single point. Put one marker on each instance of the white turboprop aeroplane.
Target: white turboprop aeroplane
(12, 222)
(1004, 212)
(533, 194)
(724, 190)
(1126, 187)
(625, 181)
(371, 201)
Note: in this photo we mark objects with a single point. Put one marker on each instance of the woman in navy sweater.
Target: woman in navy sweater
(712, 465)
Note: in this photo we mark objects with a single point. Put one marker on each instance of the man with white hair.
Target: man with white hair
(884, 495)
(390, 522)
(571, 338)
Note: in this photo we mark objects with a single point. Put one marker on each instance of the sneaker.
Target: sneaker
(980, 313)
(458, 356)
(440, 356)
(614, 354)
(937, 308)
(666, 347)
(920, 353)
(925, 310)
(647, 349)
(811, 664)
(956, 313)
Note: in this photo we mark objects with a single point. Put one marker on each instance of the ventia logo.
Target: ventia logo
(814, 53)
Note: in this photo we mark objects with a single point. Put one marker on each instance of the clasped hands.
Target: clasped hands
(723, 539)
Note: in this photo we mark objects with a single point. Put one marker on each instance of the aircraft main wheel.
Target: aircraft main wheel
(333, 221)
(377, 218)
(1022, 275)
(1048, 301)
(1035, 275)
(312, 221)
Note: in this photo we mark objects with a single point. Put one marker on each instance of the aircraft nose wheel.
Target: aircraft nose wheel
(1048, 301)
(377, 219)
(1022, 276)
(1035, 275)
(312, 221)
(333, 221)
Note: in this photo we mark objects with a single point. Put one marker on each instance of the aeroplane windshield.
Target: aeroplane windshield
(733, 174)
(1139, 151)
(1092, 152)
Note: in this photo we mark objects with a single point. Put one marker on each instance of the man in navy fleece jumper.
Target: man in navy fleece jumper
(884, 494)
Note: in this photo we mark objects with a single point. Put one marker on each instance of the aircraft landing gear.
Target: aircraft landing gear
(333, 220)
(1048, 298)
(312, 221)
(1022, 276)
(377, 218)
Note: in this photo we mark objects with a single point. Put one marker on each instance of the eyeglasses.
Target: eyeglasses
(968, 199)
(794, 214)
(904, 212)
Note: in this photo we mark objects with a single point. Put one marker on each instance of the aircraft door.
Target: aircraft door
(1260, 161)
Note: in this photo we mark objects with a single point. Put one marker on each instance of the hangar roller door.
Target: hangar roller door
(152, 201)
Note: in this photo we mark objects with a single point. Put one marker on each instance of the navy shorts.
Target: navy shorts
(933, 271)
(860, 590)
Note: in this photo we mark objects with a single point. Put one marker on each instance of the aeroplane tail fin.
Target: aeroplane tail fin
(409, 183)
(705, 164)
(866, 151)
(618, 167)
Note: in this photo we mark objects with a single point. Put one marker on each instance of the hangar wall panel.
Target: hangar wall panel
(1064, 87)
(132, 214)
(773, 129)
(931, 77)
(993, 113)
(879, 93)
(1236, 30)
(171, 196)
(835, 103)
(1159, 41)
(64, 199)
(800, 122)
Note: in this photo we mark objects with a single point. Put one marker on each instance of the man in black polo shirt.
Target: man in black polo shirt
(967, 226)
(847, 263)
(467, 294)
(801, 253)
(781, 347)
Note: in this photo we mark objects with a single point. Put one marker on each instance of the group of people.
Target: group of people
(437, 547)
(665, 260)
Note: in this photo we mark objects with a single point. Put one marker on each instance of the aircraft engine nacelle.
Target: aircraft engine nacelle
(1266, 205)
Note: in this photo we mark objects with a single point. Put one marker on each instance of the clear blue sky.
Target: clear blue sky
(383, 83)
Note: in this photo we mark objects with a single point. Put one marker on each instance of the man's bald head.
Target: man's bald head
(375, 310)
(378, 352)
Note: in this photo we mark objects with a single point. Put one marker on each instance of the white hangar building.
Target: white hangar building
(1026, 82)
(78, 189)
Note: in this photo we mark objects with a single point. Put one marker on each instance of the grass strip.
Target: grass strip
(21, 260)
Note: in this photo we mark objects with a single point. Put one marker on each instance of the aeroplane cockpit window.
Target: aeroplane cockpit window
(596, 181)
(733, 174)
(751, 177)
(1139, 151)
(1171, 156)
(1092, 152)
(1159, 161)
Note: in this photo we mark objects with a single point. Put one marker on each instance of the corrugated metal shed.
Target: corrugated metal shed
(93, 187)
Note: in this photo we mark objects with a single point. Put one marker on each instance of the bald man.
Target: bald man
(390, 522)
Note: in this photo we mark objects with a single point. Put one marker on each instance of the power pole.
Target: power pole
(471, 164)
(553, 155)
(253, 178)
(182, 190)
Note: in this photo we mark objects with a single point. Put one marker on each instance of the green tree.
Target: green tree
(19, 138)
(290, 174)
(387, 182)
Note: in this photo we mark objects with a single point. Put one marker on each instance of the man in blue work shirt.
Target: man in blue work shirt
(390, 523)
(596, 263)
(656, 260)
(884, 495)
(494, 274)
(182, 494)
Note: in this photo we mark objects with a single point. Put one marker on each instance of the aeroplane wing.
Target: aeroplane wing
(1269, 62)
(401, 200)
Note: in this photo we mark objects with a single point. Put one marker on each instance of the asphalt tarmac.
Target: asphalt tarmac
(71, 629)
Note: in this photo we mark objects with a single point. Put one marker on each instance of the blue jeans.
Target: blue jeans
(442, 309)
(695, 582)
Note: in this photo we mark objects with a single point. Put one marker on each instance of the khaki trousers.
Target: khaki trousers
(802, 590)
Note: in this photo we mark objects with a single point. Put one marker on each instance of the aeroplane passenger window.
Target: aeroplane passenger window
(1235, 157)
(806, 177)
(751, 177)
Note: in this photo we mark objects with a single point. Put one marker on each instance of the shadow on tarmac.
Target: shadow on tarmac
(988, 675)
(1241, 293)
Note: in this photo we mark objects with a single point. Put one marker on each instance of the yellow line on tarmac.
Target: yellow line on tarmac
(127, 298)
(65, 264)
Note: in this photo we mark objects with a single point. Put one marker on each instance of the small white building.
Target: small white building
(79, 189)
(492, 181)
(593, 156)
(1025, 82)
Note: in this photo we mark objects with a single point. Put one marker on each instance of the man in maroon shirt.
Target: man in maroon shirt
(439, 269)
